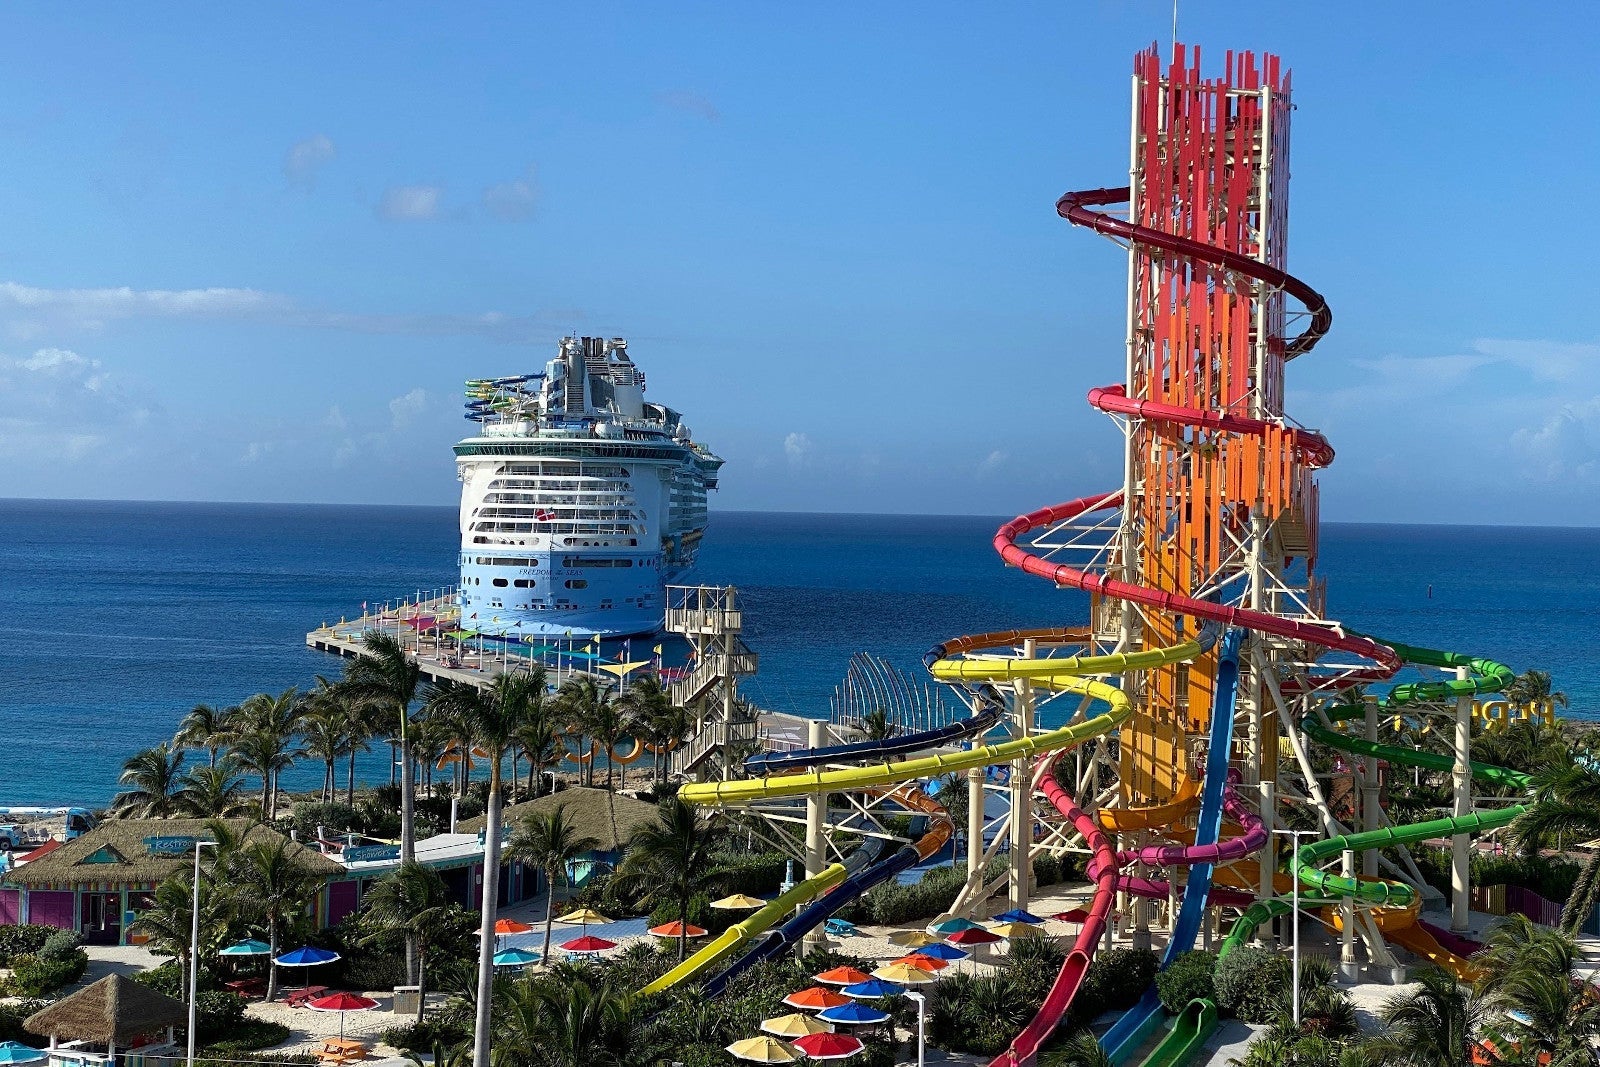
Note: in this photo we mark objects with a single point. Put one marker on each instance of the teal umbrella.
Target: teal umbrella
(250, 947)
(954, 926)
(516, 957)
(16, 1052)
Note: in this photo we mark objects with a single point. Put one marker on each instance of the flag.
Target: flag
(657, 650)
(363, 605)
(474, 615)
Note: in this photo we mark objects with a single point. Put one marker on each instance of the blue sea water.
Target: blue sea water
(120, 616)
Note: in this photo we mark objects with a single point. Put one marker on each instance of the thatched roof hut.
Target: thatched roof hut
(134, 852)
(112, 1011)
(587, 808)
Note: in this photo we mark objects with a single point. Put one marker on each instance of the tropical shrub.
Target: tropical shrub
(336, 818)
(245, 1036)
(60, 945)
(11, 1015)
(1252, 983)
(33, 975)
(22, 939)
(1192, 976)
(218, 1014)
(1116, 980)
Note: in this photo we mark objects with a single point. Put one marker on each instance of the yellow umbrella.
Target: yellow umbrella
(764, 1050)
(1015, 931)
(738, 902)
(903, 974)
(584, 916)
(913, 939)
(797, 1024)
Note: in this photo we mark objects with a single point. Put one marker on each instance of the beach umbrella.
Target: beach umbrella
(579, 946)
(510, 926)
(941, 951)
(815, 999)
(17, 1052)
(913, 939)
(954, 926)
(738, 902)
(1018, 915)
(873, 989)
(796, 1025)
(975, 936)
(515, 957)
(842, 976)
(829, 1046)
(341, 1003)
(306, 957)
(763, 1049)
(249, 947)
(676, 928)
(921, 963)
(584, 916)
(1015, 931)
(1072, 915)
(903, 974)
(854, 1015)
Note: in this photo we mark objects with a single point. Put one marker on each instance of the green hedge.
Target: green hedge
(38, 976)
(1116, 980)
(1192, 976)
(22, 940)
(1252, 983)
(11, 1015)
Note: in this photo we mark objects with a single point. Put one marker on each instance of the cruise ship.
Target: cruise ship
(580, 499)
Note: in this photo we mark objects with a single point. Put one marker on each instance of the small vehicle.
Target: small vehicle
(13, 836)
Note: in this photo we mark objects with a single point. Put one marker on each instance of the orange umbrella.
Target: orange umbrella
(816, 999)
(676, 928)
(843, 976)
(921, 963)
(510, 926)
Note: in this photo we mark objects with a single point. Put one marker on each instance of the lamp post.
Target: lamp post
(922, 1025)
(1296, 835)
(194, 946)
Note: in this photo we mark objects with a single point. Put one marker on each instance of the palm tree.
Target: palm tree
(549, 841)
(1531, 995)
(156, 775)
(572, 1024)
(649, 708)
(541, 743)
(168, 922)
(275, 888)
(491, 718)
(576, 702)
(414, 903)
(1565, 809)
(671, 858)
(1431, 1026)
(205, 727)
(386, 678)
(877, 725)
(326, 730)
(1534, 687)
(213, 792)
(263, 740)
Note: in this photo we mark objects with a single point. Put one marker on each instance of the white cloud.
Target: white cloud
(689, 102)
(1546, 361)
(1565, 447)
(27, 312)
(992, 461)
(411, 203)
(515, 200)
(797, 446)
(60, 405)
(305, 158)
(404, 409)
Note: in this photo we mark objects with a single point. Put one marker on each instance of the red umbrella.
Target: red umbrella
(972, 937)
(828, 1046)
(341, 1003)
(588, 943)
(816, 998)
(1075, 915)
(843, 976)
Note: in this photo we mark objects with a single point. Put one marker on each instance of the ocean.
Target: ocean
(120, 616)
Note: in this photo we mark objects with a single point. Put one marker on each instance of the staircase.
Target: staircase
(710, 618)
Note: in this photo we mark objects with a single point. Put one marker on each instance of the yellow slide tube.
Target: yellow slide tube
(1060, 676)
(734, 936)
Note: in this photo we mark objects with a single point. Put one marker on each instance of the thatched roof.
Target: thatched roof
(112, 1011)
(118, 852)
(585, 807)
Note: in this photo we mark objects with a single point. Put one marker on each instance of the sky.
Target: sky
(252, 252)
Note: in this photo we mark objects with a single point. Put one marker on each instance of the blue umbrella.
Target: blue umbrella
(941, 951)
(306, 957)
(516, 957)
(1018, 915)
(854, 1015)
(877, 987)
(16, 1052)
(250, 947)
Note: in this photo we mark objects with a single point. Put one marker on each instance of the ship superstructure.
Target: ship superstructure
(580, 499)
